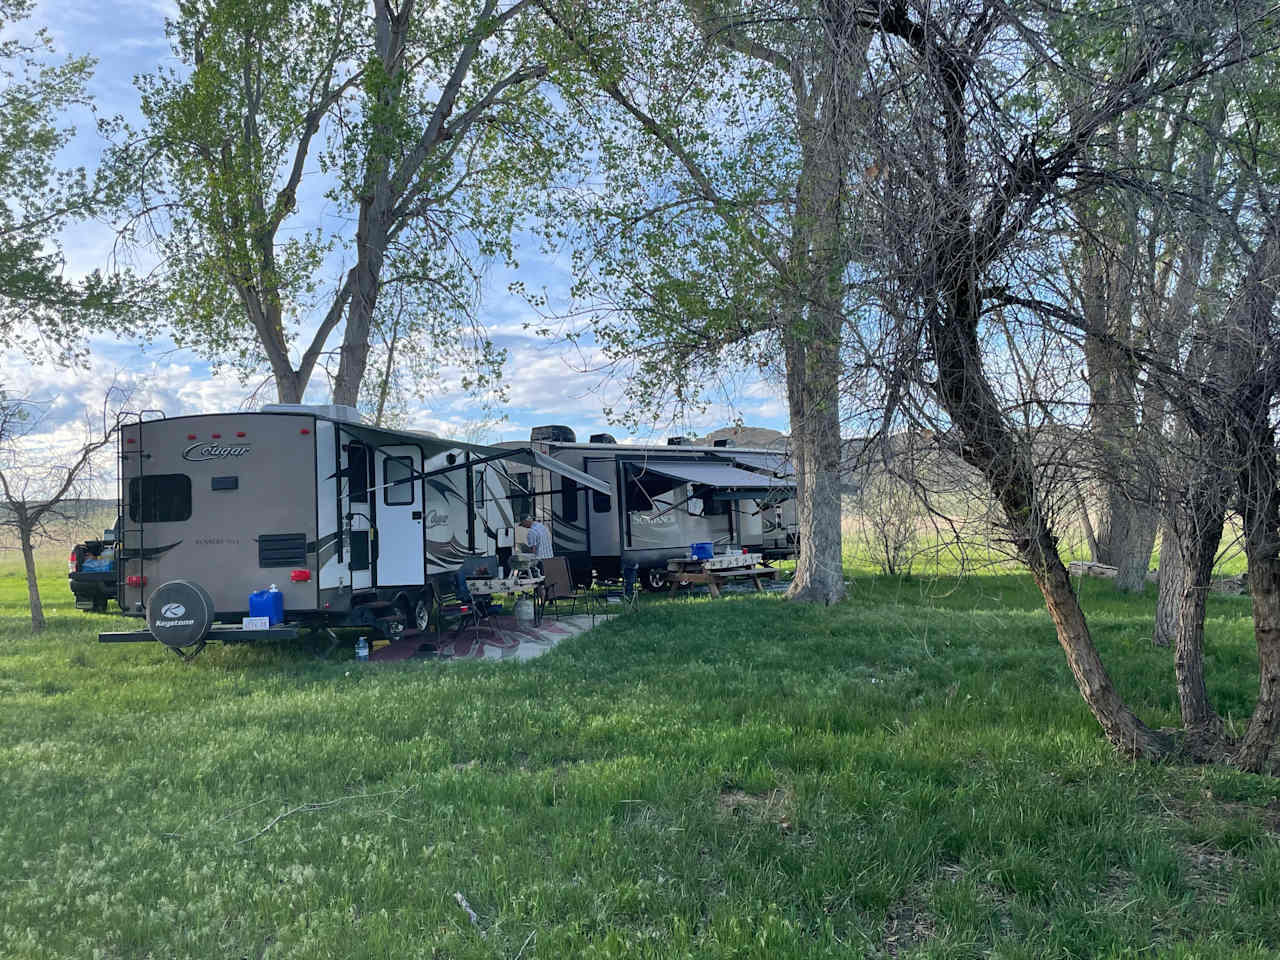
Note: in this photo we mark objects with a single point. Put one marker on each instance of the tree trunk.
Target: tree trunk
(33, 585)
(990, 446)
(1252, 341)
(1133, 554)
(1198, 548)
(1173, 575)
(1262, 543)
(815, 441)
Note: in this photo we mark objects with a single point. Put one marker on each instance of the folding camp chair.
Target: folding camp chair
(557, 585)
(456, 606)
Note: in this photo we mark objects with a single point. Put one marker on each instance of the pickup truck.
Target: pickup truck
(91, 573)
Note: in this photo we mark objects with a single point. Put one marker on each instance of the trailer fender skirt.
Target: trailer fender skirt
(180, 613)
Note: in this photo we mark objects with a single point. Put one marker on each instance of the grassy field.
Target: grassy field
(910, 774)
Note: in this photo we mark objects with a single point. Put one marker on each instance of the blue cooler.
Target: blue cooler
(702, 550)
(267, 603)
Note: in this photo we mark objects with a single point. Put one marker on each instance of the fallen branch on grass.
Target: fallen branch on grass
(475, 921)
(321, 805)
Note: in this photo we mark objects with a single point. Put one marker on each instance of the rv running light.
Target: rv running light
(239, 433)
(304, 431)
(131, 440)
(300, 576)
(191, 436)
(136, 581)
(216, 436)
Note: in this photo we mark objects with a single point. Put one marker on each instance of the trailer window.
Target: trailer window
(711, 507)
(569, 496)
(395, 470)
(521, 498)
(357, 473)
(160, 498)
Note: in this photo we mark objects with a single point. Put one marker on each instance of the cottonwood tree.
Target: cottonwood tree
(42, 310)
(971, 176)
(382, 144)
(40, 489)
(720, 236)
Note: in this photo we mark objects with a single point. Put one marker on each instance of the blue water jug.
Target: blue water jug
(267, 603)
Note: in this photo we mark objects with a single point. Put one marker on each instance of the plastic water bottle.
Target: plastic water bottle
(362, 649)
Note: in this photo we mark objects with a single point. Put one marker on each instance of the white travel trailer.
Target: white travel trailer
(666, 498)
(355, 525)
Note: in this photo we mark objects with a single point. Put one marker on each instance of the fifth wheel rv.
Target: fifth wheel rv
(354, 525)
(665, 499)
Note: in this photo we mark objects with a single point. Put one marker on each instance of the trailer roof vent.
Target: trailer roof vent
(722, 442)
(679, 441)
(602, 438)
(553, 433)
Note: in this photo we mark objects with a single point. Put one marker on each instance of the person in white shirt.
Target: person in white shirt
(538, 539)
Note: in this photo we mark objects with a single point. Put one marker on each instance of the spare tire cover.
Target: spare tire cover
(180, 613)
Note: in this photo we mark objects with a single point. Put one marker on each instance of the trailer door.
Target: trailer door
(357, 511)
(399, 512)
(604, 510)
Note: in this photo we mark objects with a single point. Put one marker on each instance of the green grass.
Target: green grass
(909, 774)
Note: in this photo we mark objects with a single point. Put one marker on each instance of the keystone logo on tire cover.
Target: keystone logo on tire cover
(172, 611)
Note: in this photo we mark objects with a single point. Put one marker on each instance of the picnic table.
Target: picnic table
(720, 571)
(515, 584)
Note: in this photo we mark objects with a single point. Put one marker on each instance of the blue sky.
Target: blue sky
(549, 382)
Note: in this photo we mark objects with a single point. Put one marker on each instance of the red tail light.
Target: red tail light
(71, 562)
(136, 581)
(300, 576)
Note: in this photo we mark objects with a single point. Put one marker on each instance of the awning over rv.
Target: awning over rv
(777, 464)
(730, 482)
(433, 446)
(532, 458)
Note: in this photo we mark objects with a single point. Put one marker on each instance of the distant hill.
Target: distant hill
(747, 437)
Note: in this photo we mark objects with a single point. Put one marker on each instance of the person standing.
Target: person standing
(537, 539)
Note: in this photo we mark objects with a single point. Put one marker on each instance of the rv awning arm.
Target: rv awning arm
(532, 458)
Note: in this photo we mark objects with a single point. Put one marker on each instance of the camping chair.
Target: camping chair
(456, 606)
(557, 585)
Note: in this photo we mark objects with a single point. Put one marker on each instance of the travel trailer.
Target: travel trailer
(354, 525)
(666, 498)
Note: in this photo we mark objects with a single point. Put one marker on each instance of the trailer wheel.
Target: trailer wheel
(422, 612)
(655, 579)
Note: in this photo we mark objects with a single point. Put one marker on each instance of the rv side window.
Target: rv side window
(569, 494)
(521, 499)
(711, 507)
(397, 469)
(358, 473)
(599, 501)
(160, 498)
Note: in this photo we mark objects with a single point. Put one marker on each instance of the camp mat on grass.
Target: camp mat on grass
(501, 638)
